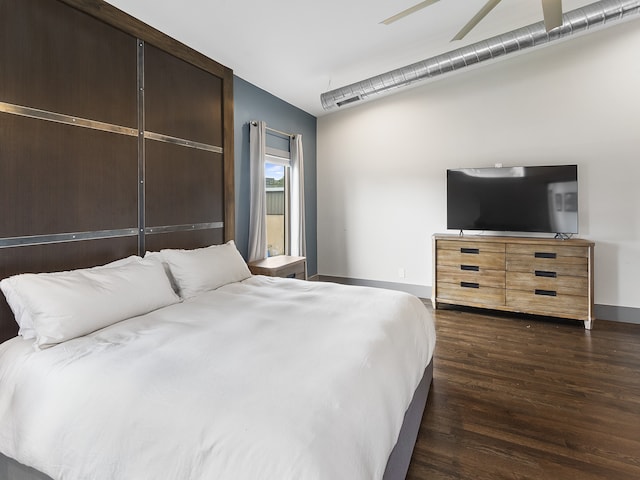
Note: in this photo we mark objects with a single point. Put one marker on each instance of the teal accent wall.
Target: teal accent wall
(253, 103)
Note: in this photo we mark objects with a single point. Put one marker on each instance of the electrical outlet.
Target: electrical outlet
(401, 272)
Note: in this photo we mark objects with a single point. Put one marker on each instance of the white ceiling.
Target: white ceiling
(297, 49)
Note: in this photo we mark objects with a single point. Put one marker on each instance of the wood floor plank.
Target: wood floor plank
(516, 397)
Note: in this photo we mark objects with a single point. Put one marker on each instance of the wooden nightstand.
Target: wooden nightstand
(280, 266)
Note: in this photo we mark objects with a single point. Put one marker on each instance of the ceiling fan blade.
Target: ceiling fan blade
(490, 5)
(552, 10)
(408, 11)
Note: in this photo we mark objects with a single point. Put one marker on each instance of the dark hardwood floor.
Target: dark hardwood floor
(521, 398)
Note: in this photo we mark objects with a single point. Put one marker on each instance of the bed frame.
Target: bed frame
(116, 140)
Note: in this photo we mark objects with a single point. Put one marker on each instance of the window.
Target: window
(277, 185)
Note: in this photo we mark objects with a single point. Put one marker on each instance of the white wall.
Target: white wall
(381, 165)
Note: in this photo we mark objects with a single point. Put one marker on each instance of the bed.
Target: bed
(136, 383)
(205, 371)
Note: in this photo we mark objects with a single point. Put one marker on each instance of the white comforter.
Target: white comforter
(263, 379)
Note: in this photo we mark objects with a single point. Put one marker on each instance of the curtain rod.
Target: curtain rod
(286, 134)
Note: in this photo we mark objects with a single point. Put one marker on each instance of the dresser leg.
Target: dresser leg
(588, 324)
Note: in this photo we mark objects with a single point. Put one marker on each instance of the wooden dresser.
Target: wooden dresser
(541, 276)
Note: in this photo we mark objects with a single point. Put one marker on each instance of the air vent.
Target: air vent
(348, 101)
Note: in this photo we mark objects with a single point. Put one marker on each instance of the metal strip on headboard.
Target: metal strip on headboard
(65, 237)
(182, 142)
(65, 119)
(141, 150)
(183, 228)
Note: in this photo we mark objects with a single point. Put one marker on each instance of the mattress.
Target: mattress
(265, 378)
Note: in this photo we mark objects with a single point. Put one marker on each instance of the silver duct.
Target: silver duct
(578, 20)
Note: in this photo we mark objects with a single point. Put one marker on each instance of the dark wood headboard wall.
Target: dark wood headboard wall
(114, 139)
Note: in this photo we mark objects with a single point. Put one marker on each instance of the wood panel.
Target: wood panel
(181, 100)
(120, 20)
(57, 257)
(186, 239)
(57, 59)
(57, 178)
(517, 397)
(183, 185)
(113, 16)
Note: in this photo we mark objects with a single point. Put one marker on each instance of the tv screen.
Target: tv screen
(514, 199)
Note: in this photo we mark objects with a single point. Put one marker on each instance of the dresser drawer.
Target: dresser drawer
(547, 251)
(463, 273)
(481, 247)
(562, 285)
(565, 306)
(571, 266)
(470, 293)
(471, 255)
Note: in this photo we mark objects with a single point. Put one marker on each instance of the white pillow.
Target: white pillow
(203, 269)
(65, 305)
(158, 257)
(22, 316)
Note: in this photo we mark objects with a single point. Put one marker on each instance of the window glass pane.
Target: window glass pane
(276, 209)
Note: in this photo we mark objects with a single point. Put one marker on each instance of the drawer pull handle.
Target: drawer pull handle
(469, 284)
(470, 268)
(546, 293)
(545, 255)
(474, 251)
(544, 273)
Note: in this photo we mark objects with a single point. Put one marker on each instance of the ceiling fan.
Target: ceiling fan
(551, 10)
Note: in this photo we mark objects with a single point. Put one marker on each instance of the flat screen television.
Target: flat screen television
(540, 199)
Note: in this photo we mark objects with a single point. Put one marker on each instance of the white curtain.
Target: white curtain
(298, 239)
(258, 206)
